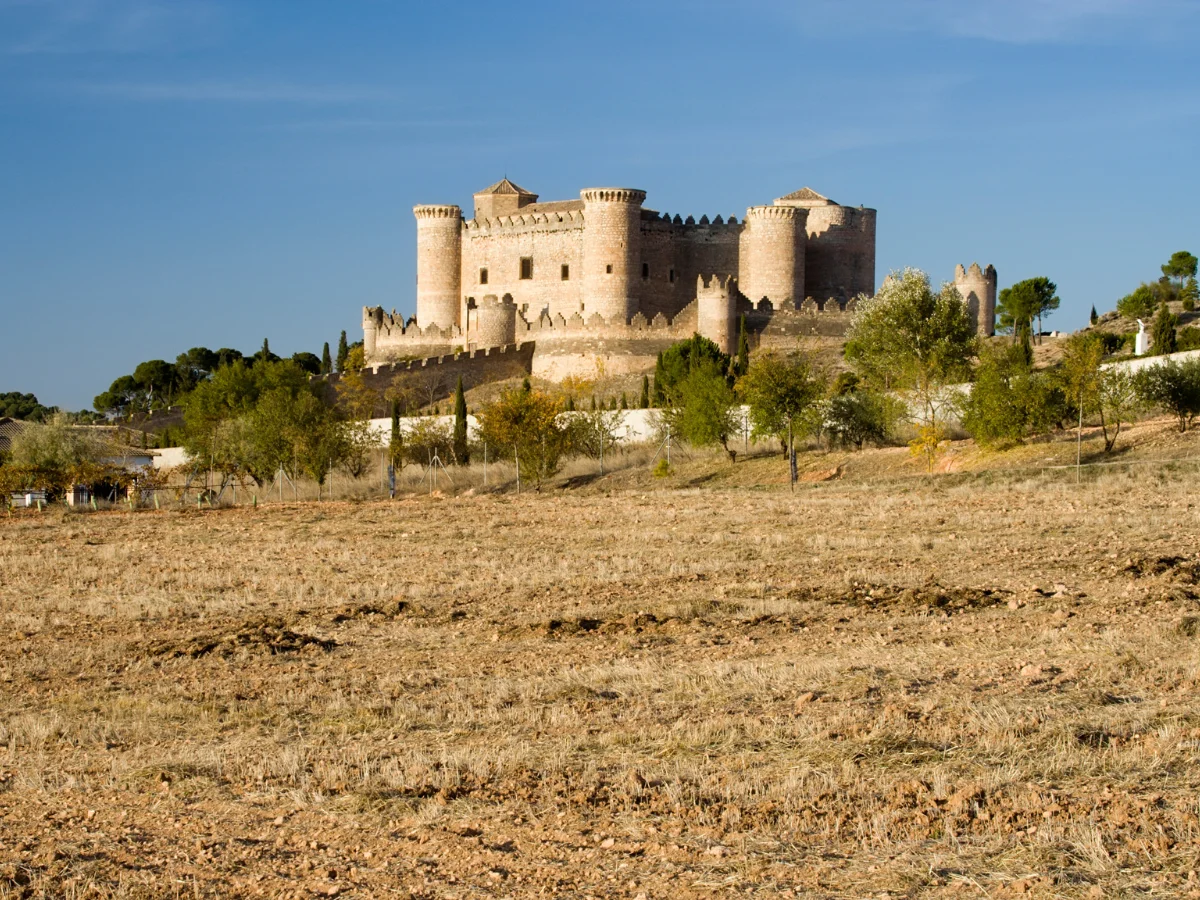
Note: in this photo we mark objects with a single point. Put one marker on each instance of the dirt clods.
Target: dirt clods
(265, 634)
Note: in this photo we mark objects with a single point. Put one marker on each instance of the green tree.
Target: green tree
(1181, 265)
(24, 406)
(326, 360)
(1094, 317)
(703, 408)
(1019, 305)
(343, 350)
(908, 337)
(644, 402)
(1008, 400)
(1174, 387)
(309, 362)
(851, 418)
(681, 358)
(461, 451)
(1142, 302)
(396, 440)
(780, 391)
(657, 398)
(1163, 331)
(524, 424)
(1189, 294)
(741, 361)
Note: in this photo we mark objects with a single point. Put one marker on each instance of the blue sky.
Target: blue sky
(177, 173)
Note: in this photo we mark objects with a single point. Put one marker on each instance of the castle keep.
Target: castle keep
(605, 277)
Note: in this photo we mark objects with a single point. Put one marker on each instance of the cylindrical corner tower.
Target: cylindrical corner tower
(774, 244)
(439, 263)
(611, 251)
(716, 311)
(977, 287)
(497, 322)
(372, 320)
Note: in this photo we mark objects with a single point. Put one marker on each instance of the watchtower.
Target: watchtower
(978, 288)
(439, 263)
(611, 251)
(773, 243)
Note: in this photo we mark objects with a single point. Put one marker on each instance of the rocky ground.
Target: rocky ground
(956, 687)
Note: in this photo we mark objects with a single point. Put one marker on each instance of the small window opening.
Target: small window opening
(645, 271)
(526, 268)
(671, 276)
(608, 269)
(483, 276)
(566, 272)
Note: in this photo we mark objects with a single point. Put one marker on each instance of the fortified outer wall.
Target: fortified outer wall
(435, 379)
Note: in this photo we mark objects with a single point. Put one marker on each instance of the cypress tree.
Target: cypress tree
(659, 378)
(265, 352)
(593, 402)
(1162, 331)
(742, 364)
(461, 452)
(570, 404)
(1189, 294)
(394, 444)
(645, 404)
(624, 401)
(342, 352)
(1093, 318)
(326, 360)
(526, 387)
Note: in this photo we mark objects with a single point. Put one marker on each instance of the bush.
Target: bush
(1173, 387)
(1187, 339)
(428, 438)
(1009, 401)
(851, 419)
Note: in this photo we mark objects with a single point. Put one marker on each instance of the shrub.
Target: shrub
(1173, 387)
(856, 417)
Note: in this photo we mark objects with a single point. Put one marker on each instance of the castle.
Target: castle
(604, 277)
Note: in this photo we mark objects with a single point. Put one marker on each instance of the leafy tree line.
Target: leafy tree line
(1178, 283)
(159, 384)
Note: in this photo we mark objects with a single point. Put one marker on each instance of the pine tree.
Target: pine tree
(1162, 331)
(645, 402)
(461, 451)
(742, 360)
(343, 351)
(1189, 294)
(1093, 318)
(326, 360)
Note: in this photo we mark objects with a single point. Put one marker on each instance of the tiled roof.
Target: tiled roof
(808, 195)
(504, 186)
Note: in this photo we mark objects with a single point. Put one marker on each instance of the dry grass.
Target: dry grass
(915, 689)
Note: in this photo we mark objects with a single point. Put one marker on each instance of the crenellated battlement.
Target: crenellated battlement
(718, 286)
(437, 211)
(778, 213)
(613, 195)
(555, 220)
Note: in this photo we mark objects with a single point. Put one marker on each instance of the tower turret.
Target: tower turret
(439, 263)
(611, 251)
(716, 310)
(497, 322)
(978, 288)
(773, 245)
(372, 321)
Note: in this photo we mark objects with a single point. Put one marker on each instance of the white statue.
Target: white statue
(1141, 344)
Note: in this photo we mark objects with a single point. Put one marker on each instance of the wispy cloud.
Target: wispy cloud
(102, 26)
(234, 92)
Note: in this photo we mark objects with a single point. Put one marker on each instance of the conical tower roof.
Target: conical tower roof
(504, 186)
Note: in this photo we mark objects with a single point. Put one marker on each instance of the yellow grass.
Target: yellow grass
(906, 688)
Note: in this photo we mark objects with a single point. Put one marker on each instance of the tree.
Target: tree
(681, 358)
(1094, 317)
(265, 353)
(343, 350)
(1141, 302)
(1162, 331)
(1174, 387)
(326, 360)
(1009, 400)
(780, 391)
(1181, 265)
(1189, 294)
(309, 362)
(659, 378)
(908, 337)
(461, 451)
(396, 441)
(1117, 402)
(644, 402)
(703, 407)
(524, 424)
(854, 417)
(24, 406)
(741, 361)
(1025, 301)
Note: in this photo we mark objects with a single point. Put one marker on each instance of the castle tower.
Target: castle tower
(497, 322)
(372, 322)
(439, 261)
(716, 310)
(773, 249)
(840, 255)
(978, 288)
(611, 251)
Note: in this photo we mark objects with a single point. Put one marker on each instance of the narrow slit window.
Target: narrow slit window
(645, 271)
(671, 276)
(608, 269)
(566, 272)
(526, 268)
(483, 276)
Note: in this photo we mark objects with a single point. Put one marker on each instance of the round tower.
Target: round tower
(372, 320)
(716, 311)
(774, 244)
(611, 251)
(439, 263)
(977, 287)
(497, 322)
